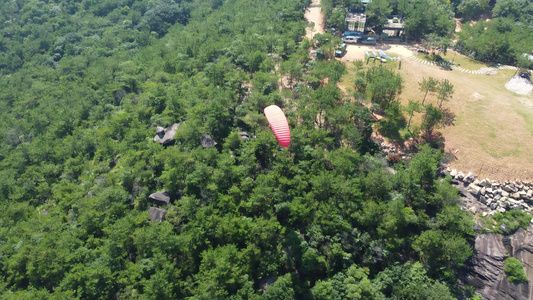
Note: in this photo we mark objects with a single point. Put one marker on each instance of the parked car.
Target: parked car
(369, 41)
(341, 50)
(351, 39)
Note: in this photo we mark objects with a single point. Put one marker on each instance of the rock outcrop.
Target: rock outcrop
(244, 135)
(157, 214)
(485, 272)
(160, 198)
(165, 136)
(207, 141)
(493, 196)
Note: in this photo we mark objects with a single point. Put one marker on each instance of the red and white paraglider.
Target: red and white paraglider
(278, 122)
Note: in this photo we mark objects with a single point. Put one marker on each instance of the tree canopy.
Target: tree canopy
(84, 86)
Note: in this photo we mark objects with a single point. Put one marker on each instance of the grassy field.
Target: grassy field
(492, 134)
(458, 60)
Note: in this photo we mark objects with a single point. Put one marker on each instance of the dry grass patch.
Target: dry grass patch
(493, 129)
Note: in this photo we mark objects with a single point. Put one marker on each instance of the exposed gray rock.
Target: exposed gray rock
(503, 228)
(474, 189)
(483, 183)
(483, 190)
(485, 270)
(469, 178)
(515, 195)
(160, 198)
(508, 188)
(453, 173)
(460, 176)
(504, 193)
(166, 137)
(207, 141)
(157, 214)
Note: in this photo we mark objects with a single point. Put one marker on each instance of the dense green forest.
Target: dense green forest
(503, 39)
(84, 85)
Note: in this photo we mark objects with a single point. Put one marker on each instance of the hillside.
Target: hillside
(91, 94)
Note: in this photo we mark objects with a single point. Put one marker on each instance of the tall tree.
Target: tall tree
(383, 85)
(428, 16)
(471, 9)
(444, 91)
(428, 85)
(377, 12)
(411, 108)
(432, 118)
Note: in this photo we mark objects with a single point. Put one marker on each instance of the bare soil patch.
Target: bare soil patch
(357, 51)
(315, 19)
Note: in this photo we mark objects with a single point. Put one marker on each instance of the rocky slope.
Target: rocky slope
(485, 272)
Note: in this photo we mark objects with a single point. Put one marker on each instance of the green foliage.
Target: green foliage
(512, 220)
(423, 17)
(471, 9)
(393, 122)
(514, 270)
(432, 118)
(517, 10)
(383, 85)
(86, 84)
(503, 39)
(377, 12)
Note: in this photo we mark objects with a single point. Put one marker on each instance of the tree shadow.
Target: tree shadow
(448, 117)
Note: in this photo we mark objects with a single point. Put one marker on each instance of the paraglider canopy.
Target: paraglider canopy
(278, 122)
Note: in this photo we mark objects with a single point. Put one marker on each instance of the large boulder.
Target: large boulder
(157, 214)
(485, 272)
(160, 198)
(207, 141)
(244, 135)
(474, 190)
(469, 178)
(165, 136)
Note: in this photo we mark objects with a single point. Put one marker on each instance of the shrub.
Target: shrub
(514, 270)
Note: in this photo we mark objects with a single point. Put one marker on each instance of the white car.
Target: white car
(351, 39)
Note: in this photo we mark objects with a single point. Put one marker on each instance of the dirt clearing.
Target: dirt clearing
(315, 19)
(357, 51)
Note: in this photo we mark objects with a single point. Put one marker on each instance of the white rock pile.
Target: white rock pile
(496, 195)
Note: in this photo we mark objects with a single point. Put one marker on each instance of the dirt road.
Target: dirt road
(314, 15)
